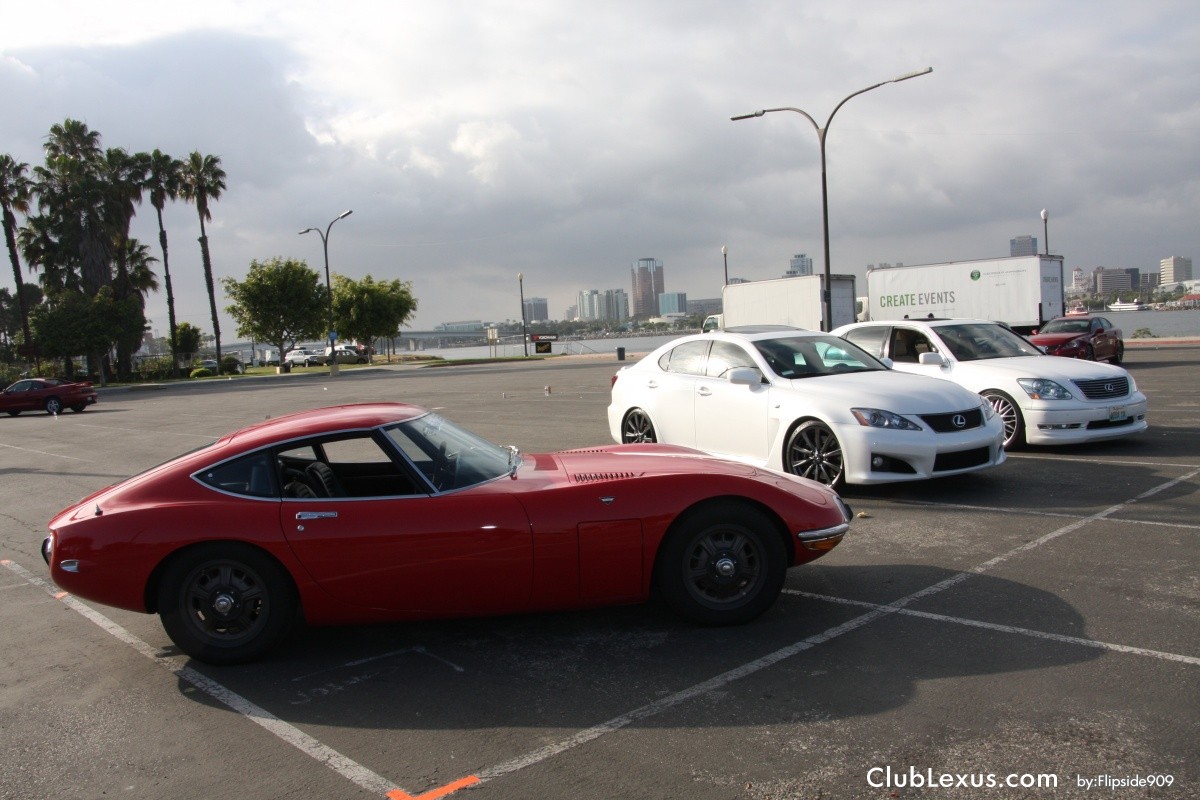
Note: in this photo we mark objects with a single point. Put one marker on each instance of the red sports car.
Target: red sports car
(1081, 336)
(387, 511)
(51, 395)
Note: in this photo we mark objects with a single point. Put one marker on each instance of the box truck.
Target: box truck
(785, 301)
(1024, 291)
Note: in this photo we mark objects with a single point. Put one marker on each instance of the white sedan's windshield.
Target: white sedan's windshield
(449, 456)
(976, 341)
(809, 356)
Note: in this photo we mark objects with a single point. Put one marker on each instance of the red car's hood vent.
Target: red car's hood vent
(592, 477)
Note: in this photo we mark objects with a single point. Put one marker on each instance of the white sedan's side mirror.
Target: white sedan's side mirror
(932, 359)
(745, 376)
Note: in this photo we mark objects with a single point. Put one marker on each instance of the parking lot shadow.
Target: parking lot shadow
(574, 670)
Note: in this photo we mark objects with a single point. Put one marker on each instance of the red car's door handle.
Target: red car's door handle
(316, 514)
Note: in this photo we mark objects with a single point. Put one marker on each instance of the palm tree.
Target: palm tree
(204, 180)
(124, 176)
(162, 181)
(73, 191)
(16, 191)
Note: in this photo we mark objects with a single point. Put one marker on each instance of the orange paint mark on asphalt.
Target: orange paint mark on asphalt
(433, 794)
(61, 595)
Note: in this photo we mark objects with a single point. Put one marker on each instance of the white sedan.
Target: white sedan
(806, 403)
(1042, 399)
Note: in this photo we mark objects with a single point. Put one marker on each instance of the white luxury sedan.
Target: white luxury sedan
(803, 402)
(1042, 399)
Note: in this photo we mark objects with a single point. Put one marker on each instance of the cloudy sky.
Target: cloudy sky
(566, 139)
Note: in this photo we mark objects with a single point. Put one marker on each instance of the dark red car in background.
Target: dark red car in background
(51, 395)
(1088, 337)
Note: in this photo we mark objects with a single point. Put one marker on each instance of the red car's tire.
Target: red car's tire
(225, 602)
(54, 406)
(723, 564)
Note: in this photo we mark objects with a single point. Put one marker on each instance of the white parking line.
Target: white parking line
(351, 770)
(209, 437)
(1074, 458)
(44, 453)
(994, 626)
(1035, 513)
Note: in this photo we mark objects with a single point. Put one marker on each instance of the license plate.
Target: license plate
(1116, 413)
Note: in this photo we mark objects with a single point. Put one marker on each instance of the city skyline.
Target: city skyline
(479, 140)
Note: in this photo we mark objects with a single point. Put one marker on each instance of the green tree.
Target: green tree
(280, 302)
(202, 179)
(162, 182)
(16, 193)
(366, 309)
(74, 323)
(188, 338)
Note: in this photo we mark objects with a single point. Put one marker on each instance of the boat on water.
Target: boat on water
(1134, 305)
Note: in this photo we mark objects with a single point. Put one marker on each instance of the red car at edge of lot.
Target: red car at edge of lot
(51, 395)
(1088, 337)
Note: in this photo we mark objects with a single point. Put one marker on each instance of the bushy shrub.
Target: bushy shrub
(154, 369)
(231, 365)
(1143, 333)
(200, 372)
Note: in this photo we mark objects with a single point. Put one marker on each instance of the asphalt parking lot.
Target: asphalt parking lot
(1036, 627)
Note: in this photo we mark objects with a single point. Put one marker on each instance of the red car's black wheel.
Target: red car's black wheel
(722, 565)
(1118, 354)
(54, 406)
(225, 603)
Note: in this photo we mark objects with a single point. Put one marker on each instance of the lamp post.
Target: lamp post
(826, 297)
(1046, 229)
(333, 363)
(524, 335)
(725, 257)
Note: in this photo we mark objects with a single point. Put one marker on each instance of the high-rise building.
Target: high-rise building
(647, 276)
(611, 305)
(537, 309)
(672, 303)
(1112, 279)
(1023, 246)
(1078, 281)
(1175, 269)
(800, 264)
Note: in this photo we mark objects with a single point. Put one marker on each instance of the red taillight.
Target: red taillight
(613, 382)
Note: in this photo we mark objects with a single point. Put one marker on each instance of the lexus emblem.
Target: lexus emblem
(1108, 387)
(959, 421)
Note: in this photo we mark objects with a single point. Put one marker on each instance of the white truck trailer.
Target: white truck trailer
(1023, 291)
(785, 301)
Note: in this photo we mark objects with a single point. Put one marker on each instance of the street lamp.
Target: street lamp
(333, 363)
(725, 257)
(826, 297)
(1046, 229)
(524, 335)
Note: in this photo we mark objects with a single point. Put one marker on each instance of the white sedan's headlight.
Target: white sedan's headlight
(878, 418)
(1044, 389)
(988, 409)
